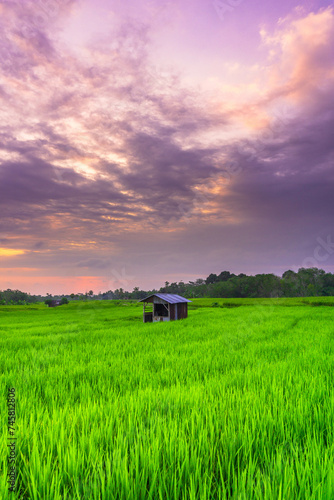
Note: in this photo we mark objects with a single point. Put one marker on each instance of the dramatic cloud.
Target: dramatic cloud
(110, 161)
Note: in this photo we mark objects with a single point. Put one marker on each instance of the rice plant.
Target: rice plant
(232, 403)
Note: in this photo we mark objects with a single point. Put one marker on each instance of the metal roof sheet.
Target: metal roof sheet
(171, 298)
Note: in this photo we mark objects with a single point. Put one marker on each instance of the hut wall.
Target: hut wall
(182, 310)
(172, 308)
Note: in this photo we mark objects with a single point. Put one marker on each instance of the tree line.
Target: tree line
(16, 297)
(303, 283)
(306, 282)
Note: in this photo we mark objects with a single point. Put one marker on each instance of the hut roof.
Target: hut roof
(171, 298)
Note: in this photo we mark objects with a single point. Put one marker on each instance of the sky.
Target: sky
(145, 141)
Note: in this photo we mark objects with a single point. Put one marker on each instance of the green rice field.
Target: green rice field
(235, 402)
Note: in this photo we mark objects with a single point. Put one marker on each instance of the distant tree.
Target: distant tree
(328, 284)
(310, 276)
(165, 289)
(136, 294)
(63, 301)
(173, 288)
(289, 274)
(108, 295)
(225, 289)
(119, 293)
(225, 276)
(181, 288)
(199, 281)
(212, 278)
(267, 285)
(289, 284)
(91, 293)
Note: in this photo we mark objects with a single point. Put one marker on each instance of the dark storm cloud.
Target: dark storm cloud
(37, 184)
(163, 174)
(290, 176)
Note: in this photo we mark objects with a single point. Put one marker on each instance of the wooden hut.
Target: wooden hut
(54, 303)
(165, 307)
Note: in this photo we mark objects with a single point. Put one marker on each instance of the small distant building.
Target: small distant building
(54, 303)
(165, 307)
